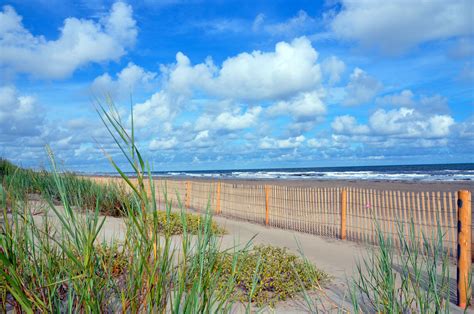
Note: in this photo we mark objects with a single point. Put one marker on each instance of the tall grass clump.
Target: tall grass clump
(410, 277)
(80, 192)
(165, 275)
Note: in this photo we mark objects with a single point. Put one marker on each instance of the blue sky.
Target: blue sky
(239, 84)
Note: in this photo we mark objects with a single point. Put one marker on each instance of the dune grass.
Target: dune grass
(403, 277)
(80, 192)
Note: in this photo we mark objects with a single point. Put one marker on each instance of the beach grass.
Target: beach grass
(403, 275)
(80, 192)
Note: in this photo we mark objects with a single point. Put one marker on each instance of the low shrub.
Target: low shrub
(269, 274)
(170, 223)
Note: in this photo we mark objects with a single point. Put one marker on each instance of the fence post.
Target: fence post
(343, 213)
(266, 205)
(218, 201)
(188, 192)
(464, 248)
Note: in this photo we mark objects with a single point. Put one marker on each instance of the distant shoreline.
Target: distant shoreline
(402, 173)
(401, 185)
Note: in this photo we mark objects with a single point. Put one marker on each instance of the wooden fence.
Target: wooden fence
(319, 210)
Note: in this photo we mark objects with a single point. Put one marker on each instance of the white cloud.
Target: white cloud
(348, 125)
(406, 98)
(299, 24)
(271, 143)
(465, 129)
(361, 88)
(19, 114)
(163, 144)
(229, 121)
(401, 123)
(303, 107)
(403, 99)
(183, 77)
(258, 75)
(397, 25)
(314, 143)
(130, 78)
(80, 42)
(405, 122)
(258, 22)
(203, 135)
(160, 108)
(333, 67)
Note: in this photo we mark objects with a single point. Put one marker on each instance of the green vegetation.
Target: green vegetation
(80, 192)
(406, 278)
(170, 223)
(54, 262)
(86, 194)
(280, 275)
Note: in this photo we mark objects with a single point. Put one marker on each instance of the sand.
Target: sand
(412, 186)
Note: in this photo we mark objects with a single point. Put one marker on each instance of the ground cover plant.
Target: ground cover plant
(170, 223)
(281, 275)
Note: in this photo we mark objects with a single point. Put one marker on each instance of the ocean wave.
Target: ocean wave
(332, 175)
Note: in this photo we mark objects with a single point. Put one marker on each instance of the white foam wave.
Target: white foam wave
(441, 175)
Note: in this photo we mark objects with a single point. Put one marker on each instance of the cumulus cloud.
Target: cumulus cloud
(128, 79)
(398, 25)
(303, 107)
(361, 88)
(272, 143)
(406, 122)
(160, 108)
(396, 123)
(20, 115)
(80, 42)
(348, 125)
(258, 75)
(229, 121)
(406, 98)
(163, 144)
(289, 75)
(332, 68)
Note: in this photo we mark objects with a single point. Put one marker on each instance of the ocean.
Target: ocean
(437, 172)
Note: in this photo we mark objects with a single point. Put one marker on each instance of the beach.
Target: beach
(406, 186)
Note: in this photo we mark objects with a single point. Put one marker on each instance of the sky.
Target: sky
(239, 84)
